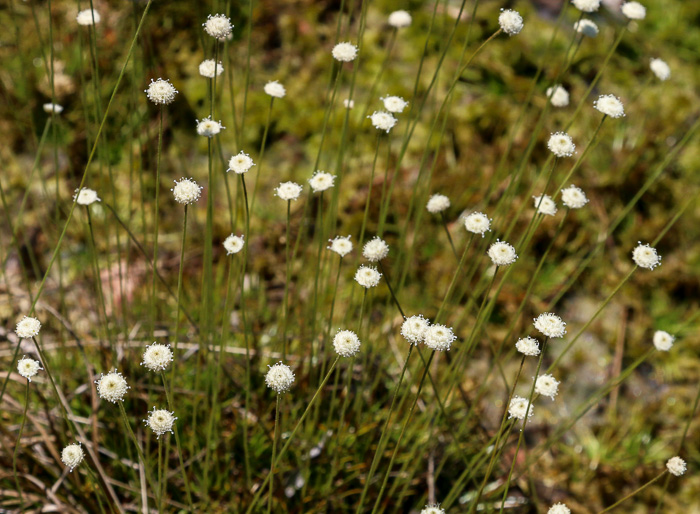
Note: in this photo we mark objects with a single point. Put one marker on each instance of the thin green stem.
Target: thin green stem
(154, 302)
(18, 443)
(274, 452)
(286, 284)
(261, 154)
(611, 507)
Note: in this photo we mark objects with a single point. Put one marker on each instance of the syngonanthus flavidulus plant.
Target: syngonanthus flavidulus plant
(394, 104)
(209, 128)
(545, 205)
(279, 377)
(28, 368)
(502, 253)
(28, 327)
(240, 163)
(210, 69)
(646, 256)
(517, 408)
(676, 466)
(186, 191)
(218, 26)
(346, 343)
(321, 181)
(160, 421)
(558, 96)
(510, 21)
(233, 244)
(550, 325)
(72, 455)
(586, 27)
(400, 19)
(157, 357)
(573, 197)
(340, 245)
(528, 346)
(88, 17)
(547, 385)
(275, 89)
(85, 196)
(367, 276)
(477, 223)
(559, 508)
(414, 329)
(375, 250)
(438, 203)
(663, 341)
(112, 386)
(161, 92)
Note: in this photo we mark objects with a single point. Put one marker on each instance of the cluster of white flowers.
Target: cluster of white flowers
(432, 508)
(634, 10)
(367, 276)
(610, 105)
(413, 329)
(586, 27)
(502, 253)
(240, 163)
(160, 421)
(528, 346)
(517, 408)
(186, 191)
(161, 92)
(550, 325)
(321, 181)
(28, 368)
(676, 466)
(210, 69)
(208, 127)
(288, 191)
(85, 196)
(559, 508)
(344, 52)
(218, 26)
(510, 21)
(88, 17)
(157, 357)
(547, 385)
(112, 386)
(663, 341)
(28, 327)
(477, 223)
(573, 197)
(439, 337)
(233, 244)
(586, 5)
(72, 455)
(56, 108)
(561, 144)
(394, 103)
(348, 103)
(660, 69)
(646, 256)
(545, 205)
(275, 89)
(340, 245)
(375, 250)
(346, 343)
(438, 203)
(400, 19)
(558, 96)
(382, 120)
(279, 377)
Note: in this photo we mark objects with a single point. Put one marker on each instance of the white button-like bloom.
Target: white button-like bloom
(394, 103)
(660, 69)
(86, 196)
(321, 181)
(545, 205)
(477, 223)
(438, 203)
(547, 385)
(49, 108)
(561, 144)
(240, 163)
(340, 245)
(573, 197)
(502, 253)
(72, 455)
(663, 341)
(558, 96)
(367, 277)
(288, 191)
(432, 508)
(28, 368)
(550, 325)
(400, 19)
(645, 256)
(344, 52)
(528, 346)
(559, 508)
(28, 328)
(610, 105)
(275, 89)
(382, 120)
(157, 357)
(517, 408)
(161, 92)
(160, 421)
(586, 27)
(279, 377)
(414, 328)
(510, 21)
(208, 127)
(88, 17)
(186, 191)
(233, 244)
(676, 466)
(439, 337)
(346, 343)
(208, 70)
(349, 104)
(375, 250)
(218, 26)
(586, 5)
(634, 10)
(112, 386)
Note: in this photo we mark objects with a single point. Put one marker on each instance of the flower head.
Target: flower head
(346, 343)
(88, 17)
(375, 250)
(348, 103)
(438, 203)
(586, 27)
(610, 105)
(160, 421)
(518, 408)
(186, 191)
(676, 466)
(558, 96)
(501, 253)
(382, 120)
(545, 205)
(275, 89)
(321, 181)
(49, 107)
(477, 223)
(510, 21)
(432, 508)
(112, 386)
(645, 256)
(586, 5)
(28, 368)
(414, 329)
(72, 455)
(210, 69)
(340, 245)
(161, 92)
(547, 385)
(561, 144)
(157, 357)
(28, 328)
(208, 127)
(394, 103)
(660, 69)
(218, 26)
(85, 196)
(439, 337)
(528, 346)
(279, 377)
(288, 191)
(400, 19)
(550, 325)
(634, 10)
(367, 276)
(663, 341)
(233, 244)
(344, 52)
(559, 508)
(240, 163)
(573, 197)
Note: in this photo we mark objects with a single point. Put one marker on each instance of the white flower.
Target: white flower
(340, 245)
(321, 181)
(510, 21)
(157, 357)
(49, 107)
(634, 10)
(394, 103)
(240, 163)
(218, 26)
(28, 328)
(279, 377)
(432, 509)
(545, 205)
(346, 343)
(438, 203)
(233, 244)
(573, 197)
(382, 120)
(85, 196)
(586, 5)
(501, 253)
(645, 256)
(558, 96)
(660, 69)
(288, 191)
(86, 17)
(663, 341)
(528, 346)
(208, 127)
(112, 386)
(477, 223)
(208, 70)
(275, 89)
(344, 52)
(550, 325)
(676, 466)
(610, 105)
(586, 27)
(186, 191)
(72, 455)
(375, 250)
(518, 408)
(547, 385)
(161, 92)
(400, 19)
(559, 508)
(160, 421)
(349, 104)
(561, 144)
(439, 337)
(414, 328)
(28, 368)
(367, 277)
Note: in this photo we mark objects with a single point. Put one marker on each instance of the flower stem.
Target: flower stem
(286, 286)
(154, 303)
(177, 444)
(274, 451)
(634, 492)
(17, 445)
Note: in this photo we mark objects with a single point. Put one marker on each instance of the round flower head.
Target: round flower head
(439, 337)
(275, 89)
(634, 10)
(186, 191)
(676, 466)
(28, 368)
(414, 328)
(586, 27)
(518, 408)
(233, 244)
(382, 120)
(547, 385)
(645, 256)
(288, 191)
(528, 346)
(349, 104)
(160, 421)
(510, 21)
(157, 357)
(558, 96)
(573, 197)
(88, 17)
(208, 70)
(367, 277)
(320, 181)
(240, 163)
(438, 203)
(610, 105)
(340, 245)
(72, 455)
(561, 144)
(208, 127)
(85, 196)
(375, 250)
(660, 69)
(400, 19)
(394, 103)
(344, 52)
(586, 5)
(432, 508)
(280, 377)
(550, 325)
(218, 26)
(49, 107)
(502, 254)
(663, 341)
(346, 343)
(545, 205)
(559, 508)
(112, 386)
(477, 223)
(161, 92)
(28, 328)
